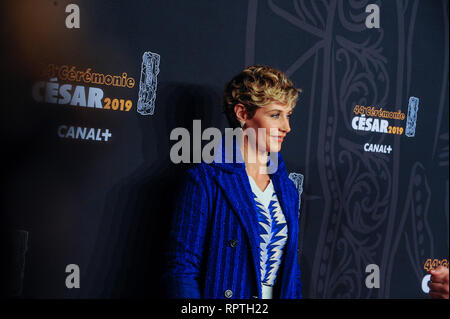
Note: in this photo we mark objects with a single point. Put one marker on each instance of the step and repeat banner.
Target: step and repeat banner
(91, 91)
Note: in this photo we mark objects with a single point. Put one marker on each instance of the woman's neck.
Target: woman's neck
(255, 159)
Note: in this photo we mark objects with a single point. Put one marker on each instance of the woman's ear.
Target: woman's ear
(241, 112)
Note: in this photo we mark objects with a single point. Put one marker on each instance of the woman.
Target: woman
(235, 228)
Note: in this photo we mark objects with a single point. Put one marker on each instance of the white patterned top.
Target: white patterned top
(273, 234)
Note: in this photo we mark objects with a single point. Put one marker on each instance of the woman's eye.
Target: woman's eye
(277, 115)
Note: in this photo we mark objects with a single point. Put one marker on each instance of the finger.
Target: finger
(436, 270)
(445, 275)
(436, 279)
(439, 277)
(437, 287)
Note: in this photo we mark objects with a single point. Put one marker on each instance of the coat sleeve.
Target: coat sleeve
(187, 238)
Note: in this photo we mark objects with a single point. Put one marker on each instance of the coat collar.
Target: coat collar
(241, 200)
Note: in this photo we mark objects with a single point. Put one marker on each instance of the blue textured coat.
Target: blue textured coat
(214, 251)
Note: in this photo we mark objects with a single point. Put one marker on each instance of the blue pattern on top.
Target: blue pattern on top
(273, 236)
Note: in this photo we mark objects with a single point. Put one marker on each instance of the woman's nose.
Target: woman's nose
(286, 127)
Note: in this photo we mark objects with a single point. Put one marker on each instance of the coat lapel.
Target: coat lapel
(241, 201)
(288, 208)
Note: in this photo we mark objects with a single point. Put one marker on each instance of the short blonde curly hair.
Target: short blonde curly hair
(256, 86)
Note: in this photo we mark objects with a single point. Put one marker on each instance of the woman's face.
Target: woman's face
(274, 118)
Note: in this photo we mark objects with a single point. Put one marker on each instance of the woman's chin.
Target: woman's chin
(275, 148)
